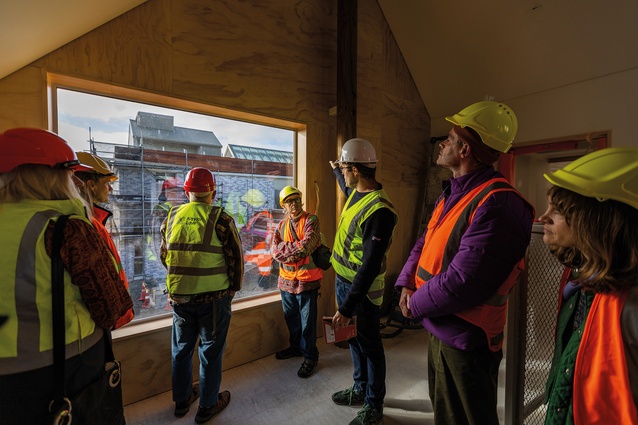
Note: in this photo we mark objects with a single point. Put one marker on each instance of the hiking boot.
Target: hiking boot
(287, 353)
(205, 414)
(368, 416)
(182, 407)
(306, 369)
(348, 397)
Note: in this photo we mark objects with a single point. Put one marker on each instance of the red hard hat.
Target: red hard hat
(172, 183)
(35, 146)
(199, 180)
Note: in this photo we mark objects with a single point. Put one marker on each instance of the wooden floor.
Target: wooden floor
(268, 391)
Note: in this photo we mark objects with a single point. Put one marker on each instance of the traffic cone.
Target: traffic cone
(146, 297)
(142, 293)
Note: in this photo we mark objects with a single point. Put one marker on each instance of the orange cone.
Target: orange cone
(142, 293)
(147, 297)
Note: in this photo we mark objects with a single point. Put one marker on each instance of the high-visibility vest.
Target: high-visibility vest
(165, 207)
(347, 252)
(26, 339)
(601, 376)
(195, 259)
(305, 269)
(100, 215)
(441, 244)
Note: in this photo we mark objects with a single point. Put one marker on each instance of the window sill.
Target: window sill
(162, 323)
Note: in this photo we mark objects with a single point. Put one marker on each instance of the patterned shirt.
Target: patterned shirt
(86, 257)
(291, 252)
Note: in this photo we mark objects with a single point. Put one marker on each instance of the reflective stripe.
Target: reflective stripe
(28, 335)
(423, 274)
(304, 270)
(462, 221)
(352, 230)
(25, 282)
(348, 249)
(191, 240)
(442, 242)
(197, 271)
(376, 294)
(497, 300)
(195, 247)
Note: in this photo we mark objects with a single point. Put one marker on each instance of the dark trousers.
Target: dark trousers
(25, 396)
(463, 384)
(366, 349)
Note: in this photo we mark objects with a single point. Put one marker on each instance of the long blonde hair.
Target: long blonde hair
(38, 182)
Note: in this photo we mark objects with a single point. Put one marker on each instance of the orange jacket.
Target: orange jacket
(100, 215)
(305, 269)
(602, 390)
(441, 244)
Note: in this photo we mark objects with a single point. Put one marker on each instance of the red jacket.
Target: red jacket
(100, 215)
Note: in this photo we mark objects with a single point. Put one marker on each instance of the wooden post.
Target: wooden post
(346, 71)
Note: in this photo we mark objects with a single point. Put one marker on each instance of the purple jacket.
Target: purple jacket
(493, 244)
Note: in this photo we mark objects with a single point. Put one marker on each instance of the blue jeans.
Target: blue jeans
(209, 322)
(366, 349)
(300, 313)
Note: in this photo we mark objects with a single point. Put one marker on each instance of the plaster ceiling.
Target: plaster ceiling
(464, 51)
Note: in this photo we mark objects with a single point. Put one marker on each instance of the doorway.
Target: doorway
(524, 166)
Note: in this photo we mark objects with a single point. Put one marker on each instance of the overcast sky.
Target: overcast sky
(109, 118)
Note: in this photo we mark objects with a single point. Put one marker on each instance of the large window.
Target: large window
(151, 146)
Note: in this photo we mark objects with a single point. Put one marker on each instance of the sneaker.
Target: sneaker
(368, 416)
(205, 414)
(182, 407)
(287, 353)
(348, 397)
(306, 369)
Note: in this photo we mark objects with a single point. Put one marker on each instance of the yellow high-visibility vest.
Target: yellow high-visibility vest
(26, 339)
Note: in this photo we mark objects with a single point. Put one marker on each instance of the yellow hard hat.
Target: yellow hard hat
(495, 122)
(286, 192)
(99, 165)
(610, 173)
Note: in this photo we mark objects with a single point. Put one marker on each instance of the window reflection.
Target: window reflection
(161, 146)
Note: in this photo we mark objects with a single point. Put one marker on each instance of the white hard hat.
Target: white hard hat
(360, 151)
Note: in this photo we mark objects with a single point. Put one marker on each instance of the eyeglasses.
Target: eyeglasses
(292, 201)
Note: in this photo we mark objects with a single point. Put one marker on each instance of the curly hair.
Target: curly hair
(606, 240)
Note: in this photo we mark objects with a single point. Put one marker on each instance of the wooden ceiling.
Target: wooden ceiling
(458, 51)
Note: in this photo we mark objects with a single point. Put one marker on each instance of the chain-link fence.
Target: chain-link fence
(531, 322)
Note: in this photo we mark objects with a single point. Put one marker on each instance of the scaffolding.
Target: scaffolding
(136, 201)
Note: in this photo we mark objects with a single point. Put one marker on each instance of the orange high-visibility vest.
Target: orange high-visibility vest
(305, 269)
(441, 244)
(601, 376)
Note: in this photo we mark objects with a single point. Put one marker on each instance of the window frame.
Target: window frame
(60, 81)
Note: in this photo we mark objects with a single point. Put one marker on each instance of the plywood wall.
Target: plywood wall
(275, 58)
